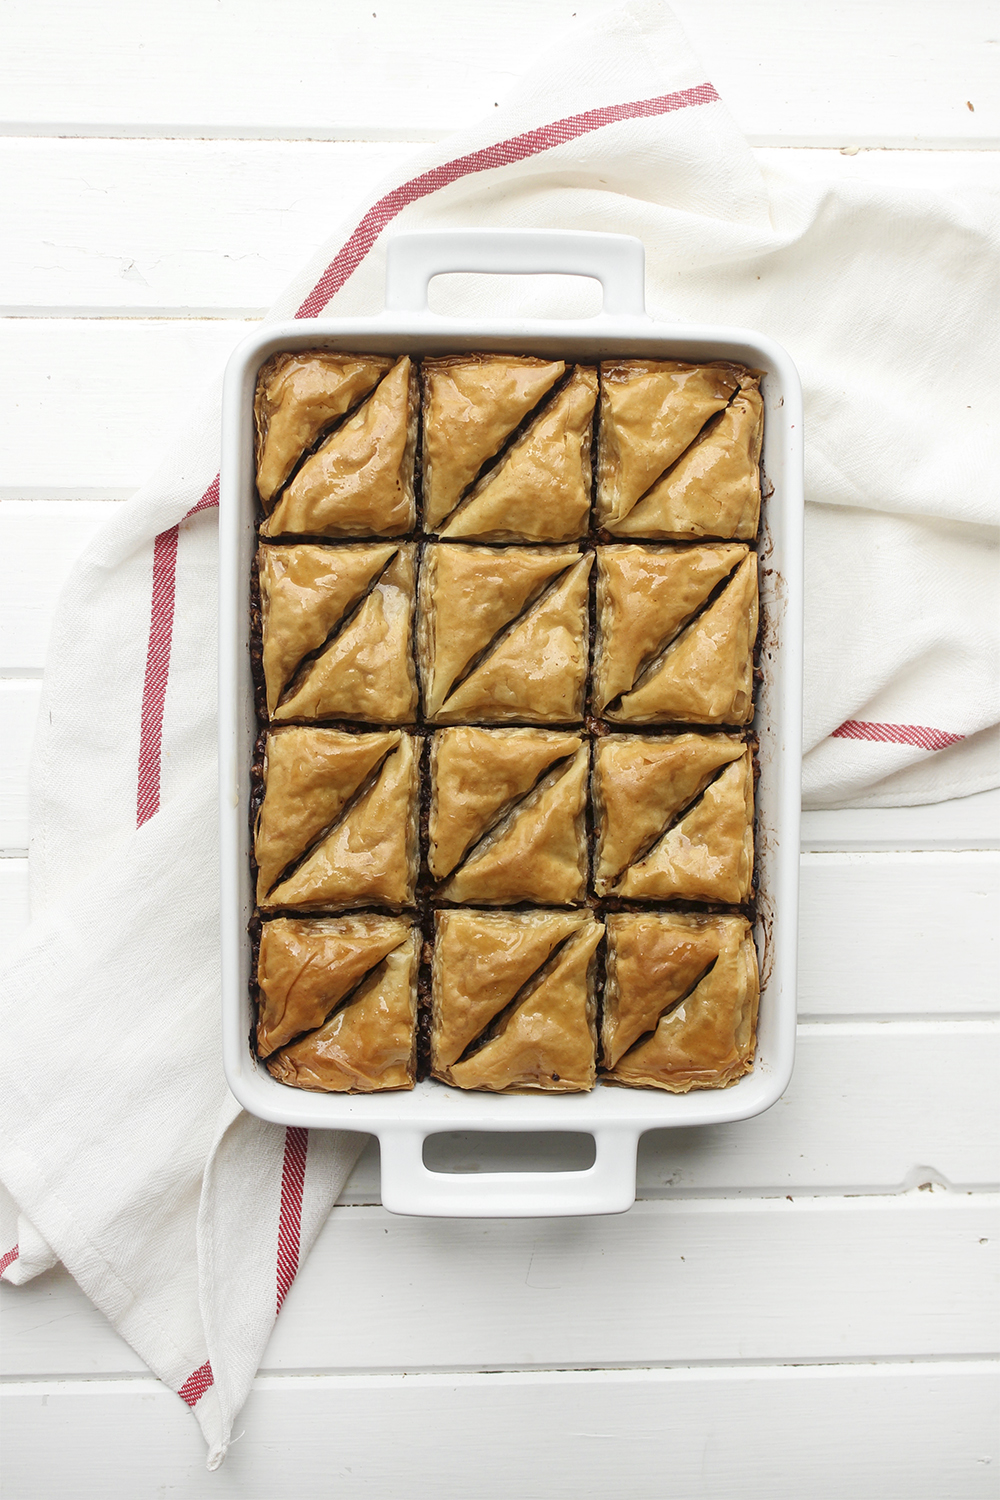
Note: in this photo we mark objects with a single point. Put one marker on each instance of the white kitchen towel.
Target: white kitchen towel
(121, 1149)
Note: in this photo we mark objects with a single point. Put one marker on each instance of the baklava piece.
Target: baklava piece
(676, 631)
(513, 1000)
(507, 816)
(338, 824)
(359, 481)
(538, 489)
(350, 984)
(665, 467)
(337, 628)
(502, 634)
(674, 818)
(298, 397)
(680, 1001)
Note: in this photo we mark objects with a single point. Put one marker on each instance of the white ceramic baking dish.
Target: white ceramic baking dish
(614, 1117)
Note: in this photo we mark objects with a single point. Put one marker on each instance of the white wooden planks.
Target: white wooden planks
(875, 1432)
(899, 73)
(670, 1282)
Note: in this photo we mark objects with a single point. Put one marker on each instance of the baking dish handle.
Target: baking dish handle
(409, 1187)
(617, 261)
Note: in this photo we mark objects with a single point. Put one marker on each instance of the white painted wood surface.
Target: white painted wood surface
(797, 1305)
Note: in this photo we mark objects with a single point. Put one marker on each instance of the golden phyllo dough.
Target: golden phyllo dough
(680, 1001)
(540, 489)
(674, 817)
(503, 634)
(307, 967)
(513, 1004)
(676, 630)
(337, 628)
(338, 824)
(507, 816)
(369, 1040)
(359, 481)
(651, 411)
(298, 397)
(472, 404)
(713, 489)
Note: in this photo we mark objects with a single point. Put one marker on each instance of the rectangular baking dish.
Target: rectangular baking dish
(614, 1117)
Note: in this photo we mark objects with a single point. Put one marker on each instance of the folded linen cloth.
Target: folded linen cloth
(180, 1216)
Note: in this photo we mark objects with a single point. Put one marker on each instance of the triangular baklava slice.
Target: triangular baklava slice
(307, 967)
(651, 410)
(530, 845)
(680, 1001)
(337, 632)
(645, 596)
(477, 776)
(359, 482)
(298, 396)
(503, 634)
(369, 1043)
(713, 489)
(513, 1000)
(704, 673)
(540, 489)
(472, 403)
(674, 817)
(337, 827)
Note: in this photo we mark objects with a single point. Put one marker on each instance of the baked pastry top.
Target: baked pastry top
(502, 634)
(457, 740)
(540, 489)
(676, 628)
(337, 632)
(674, 817)
(651, 480)
(363, 973)
(472, 405)
(507, 817)
(298, 397)
(338, 824)
(359, 481)
(512, 1002)
(680, 1001)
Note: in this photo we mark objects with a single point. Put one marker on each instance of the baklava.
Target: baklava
(505, 615)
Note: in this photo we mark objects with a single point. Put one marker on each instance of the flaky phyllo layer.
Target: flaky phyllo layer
(505, 615)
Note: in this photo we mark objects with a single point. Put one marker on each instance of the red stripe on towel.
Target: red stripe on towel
(154, 692)
(347, 260)
(293, 1176)
(197, 1384)
(9, 1258)
(501, 154)
(898, 734)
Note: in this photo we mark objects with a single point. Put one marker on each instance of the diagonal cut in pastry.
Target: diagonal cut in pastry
(537, 849)
(337, 827)
(651, 410)
(348, 651)
(359, 482)
(645, 596)
(704, 673)
(674, 817)
(680, 1001)
(472, 403)
(502, 634)
(540, 489)
(477, 775)
(370, 1042)
(298, 395)
(337, 627)
(713, 489)
(513, 1003)
(308, 967)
